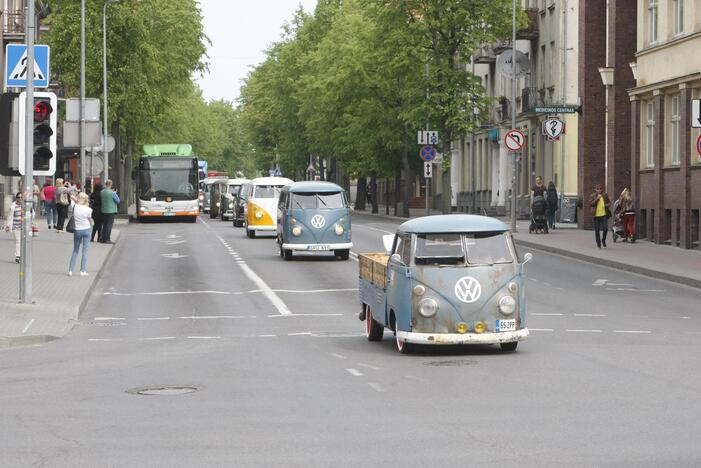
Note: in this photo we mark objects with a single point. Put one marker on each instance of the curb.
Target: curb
(16, 341)
(96, 278)
(694, 283)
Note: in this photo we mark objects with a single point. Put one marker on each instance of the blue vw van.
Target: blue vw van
(314, 217)
(448, 279)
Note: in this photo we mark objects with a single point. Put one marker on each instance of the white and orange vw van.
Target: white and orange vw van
(261, 207)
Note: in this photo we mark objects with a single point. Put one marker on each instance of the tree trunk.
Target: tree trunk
(373, 190)
(397, 191)
(361, 193)
(408, 194)
(447, 195)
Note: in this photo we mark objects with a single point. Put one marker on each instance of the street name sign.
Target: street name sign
(16, 67)
(428, 137)
(556, 109)
(696, 113)
(428, 169)
(514, 140)
(427, 153)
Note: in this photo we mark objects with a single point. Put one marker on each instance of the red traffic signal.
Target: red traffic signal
(42, 110)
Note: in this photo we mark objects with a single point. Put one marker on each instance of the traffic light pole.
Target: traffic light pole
(25, 274)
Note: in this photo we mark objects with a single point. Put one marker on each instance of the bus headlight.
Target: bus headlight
(428, 307)
(338, 229)
(507, 305)
(259, 214)
(297, 231)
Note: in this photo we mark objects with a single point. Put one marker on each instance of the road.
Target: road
(285, 377)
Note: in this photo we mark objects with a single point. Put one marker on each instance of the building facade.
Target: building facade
(665, 153)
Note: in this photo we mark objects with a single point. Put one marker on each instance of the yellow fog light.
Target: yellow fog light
(259, 214)
(462, 327)
(479, 327)
(297, 231)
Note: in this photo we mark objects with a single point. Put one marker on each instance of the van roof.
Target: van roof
(313, 186)
(439, 224)
(236, 181)
(271, 181)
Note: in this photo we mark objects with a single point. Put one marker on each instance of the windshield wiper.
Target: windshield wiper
(322, 201)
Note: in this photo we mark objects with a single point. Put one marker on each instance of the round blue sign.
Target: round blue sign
(427, 153)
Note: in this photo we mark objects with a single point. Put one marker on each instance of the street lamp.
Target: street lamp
(105, 158)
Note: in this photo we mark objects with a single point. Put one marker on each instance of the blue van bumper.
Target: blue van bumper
(462, 338)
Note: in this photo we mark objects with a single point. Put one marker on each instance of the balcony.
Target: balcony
(530, 98)
(485, 55)
(531, 31)
(12, 24)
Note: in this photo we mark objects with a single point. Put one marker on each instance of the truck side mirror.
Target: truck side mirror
(387, 241)
(396, 258)
(527, 258)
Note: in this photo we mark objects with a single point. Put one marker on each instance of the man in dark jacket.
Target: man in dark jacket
(600, 204)
(109, 202)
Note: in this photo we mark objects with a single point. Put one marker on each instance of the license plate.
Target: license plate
(169, 213)
(318, 247)
(506, 325)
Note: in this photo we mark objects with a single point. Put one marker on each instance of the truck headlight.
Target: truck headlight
(218, 205)
(231, 205)
(259, 214)
(297, 231)
(428, 307)
(507, 305)
(338, 229)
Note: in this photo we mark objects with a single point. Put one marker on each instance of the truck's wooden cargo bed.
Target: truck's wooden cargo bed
(373, 267)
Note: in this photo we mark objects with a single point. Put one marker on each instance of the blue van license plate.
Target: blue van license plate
(318, 247)
(506, 325)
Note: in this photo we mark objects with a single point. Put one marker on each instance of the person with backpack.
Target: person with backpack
(62, 198)
(552, 198)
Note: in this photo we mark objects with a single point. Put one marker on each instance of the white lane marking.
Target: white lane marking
(619, 284)
(372, 228)
(546, 284)
(540, 329)
(633, 331)
(153, 318)
(204, 337)
(156, 338)
(305, 315)
(179, 293)
(354, 372)
(173, 255)
(300, 334)
(173, 236)
(176, 242)
(584, 331)
(377, 387)
(369, 366)
(533, 279)
(539, 313)
(266, 336)
(267, 291)
(313, 291)
(208, 317)
(29, 324)
(589, 315)
(685, 318)
(104, 339)
(599, 282)
(108, 318)
(336, 355)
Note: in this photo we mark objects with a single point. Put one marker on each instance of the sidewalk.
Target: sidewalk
(646, 258)
(57, 298)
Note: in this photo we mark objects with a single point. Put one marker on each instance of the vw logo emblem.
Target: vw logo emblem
(468, 290)
(318, 221)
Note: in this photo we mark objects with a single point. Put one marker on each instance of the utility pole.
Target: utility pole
(513, 120)
(82, 94)
(563, 148)
(25, 274)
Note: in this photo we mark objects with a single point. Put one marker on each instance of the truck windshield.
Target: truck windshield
(318, 200)
(480, 248)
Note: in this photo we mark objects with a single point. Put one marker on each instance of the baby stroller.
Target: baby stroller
(539, 219)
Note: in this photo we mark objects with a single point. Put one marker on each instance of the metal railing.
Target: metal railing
(12, 22)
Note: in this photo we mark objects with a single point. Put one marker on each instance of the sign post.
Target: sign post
(428, 154)
(696, 113)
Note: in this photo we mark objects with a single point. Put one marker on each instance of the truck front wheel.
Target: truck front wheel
(402, 346)
(373, 330)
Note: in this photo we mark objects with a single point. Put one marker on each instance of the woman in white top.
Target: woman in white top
(82, 217)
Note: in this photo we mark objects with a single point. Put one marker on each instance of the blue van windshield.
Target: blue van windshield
(317, 200)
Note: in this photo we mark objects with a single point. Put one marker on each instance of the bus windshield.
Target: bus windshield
(174, 178)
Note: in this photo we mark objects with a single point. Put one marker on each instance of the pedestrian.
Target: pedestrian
(538, 190)
(13, 222)
(96, 205)
(35, 194)
(109, 202)
(552, 198)
(49, 195)
(62, 200)
(600, 204)
(626, 205)
(82, 220)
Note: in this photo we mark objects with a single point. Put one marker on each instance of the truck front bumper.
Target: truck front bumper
(462, 338)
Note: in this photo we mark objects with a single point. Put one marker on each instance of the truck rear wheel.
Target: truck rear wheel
(373, 330)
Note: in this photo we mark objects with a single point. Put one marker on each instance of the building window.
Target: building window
(650, 144)
(676, 119)
(678, 16)
(652, 20)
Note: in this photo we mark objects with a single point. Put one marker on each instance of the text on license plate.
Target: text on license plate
(169, 213)
(506, 325)
(317, 247)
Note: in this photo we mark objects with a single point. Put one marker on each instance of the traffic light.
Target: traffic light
(44, 133)
(7, 101)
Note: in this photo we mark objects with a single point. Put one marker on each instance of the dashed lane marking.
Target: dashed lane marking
(157, 338)
(642, 332)
(540, 329)
(29, 324)
(108, 318)
(204, 337)
(584, 331)
(305, 315)
(369, 366)
(267, 336)
(153, 318)
(377, 387)
(104, 339)
(300, 334)
(354, 372)
(210, 317)
(336, 355)
(589, 315)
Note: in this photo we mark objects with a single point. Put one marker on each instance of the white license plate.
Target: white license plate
(169, 213)
(318, 247)
(506, 325)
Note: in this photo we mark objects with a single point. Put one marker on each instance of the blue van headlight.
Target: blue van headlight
(507, 305)
(297, 231)
(428, 307)
(338, 229)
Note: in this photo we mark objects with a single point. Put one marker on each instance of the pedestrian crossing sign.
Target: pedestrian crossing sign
(16, 67)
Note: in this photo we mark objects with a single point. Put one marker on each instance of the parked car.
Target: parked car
(240, 205)
(449, 279)
(223, 198)
(313, 217)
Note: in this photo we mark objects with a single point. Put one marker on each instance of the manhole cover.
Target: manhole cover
(103, 323)
(453, 363)
(165, 390)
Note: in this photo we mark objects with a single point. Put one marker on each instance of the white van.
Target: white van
(261, 206)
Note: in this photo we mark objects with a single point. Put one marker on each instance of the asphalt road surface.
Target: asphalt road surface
(285, 378)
